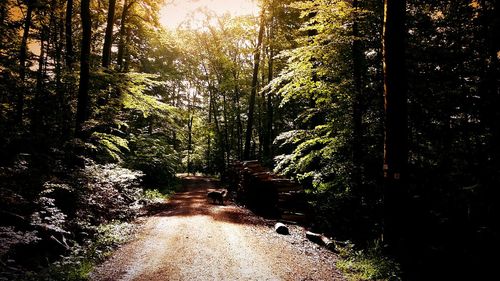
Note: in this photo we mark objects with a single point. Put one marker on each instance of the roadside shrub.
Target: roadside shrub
(155, 158)
(108, 192)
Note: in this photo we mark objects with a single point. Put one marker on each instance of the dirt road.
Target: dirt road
(195, 240)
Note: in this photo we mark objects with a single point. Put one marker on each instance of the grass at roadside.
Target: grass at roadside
(82, 259)
(366, 264)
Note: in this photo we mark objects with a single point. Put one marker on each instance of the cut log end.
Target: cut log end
(281, 228)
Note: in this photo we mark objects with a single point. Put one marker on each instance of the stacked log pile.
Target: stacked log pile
(267, 193)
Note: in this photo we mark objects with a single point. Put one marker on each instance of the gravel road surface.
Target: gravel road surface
(193, 239)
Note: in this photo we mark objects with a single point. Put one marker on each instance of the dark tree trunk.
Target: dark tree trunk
(35, 111)
(69, 35)
(62, 96)
(58, 42)
(268, 130)
(251, 102)
(126, 51)
(218, 130)
(396, 120)
(82, 113)
(357, 66)
(122, 35)
(190, 143)
(209, 163)
(239, 124)
(22, 62)
(489, 89)
(227, 144)
(108, 38)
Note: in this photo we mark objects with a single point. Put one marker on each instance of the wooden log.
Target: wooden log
(294, 217)
(314, 237)
(263, 176)
(286, 188)
(281, 228)
(320, 239)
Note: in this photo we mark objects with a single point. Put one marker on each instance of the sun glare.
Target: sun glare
(177, 11)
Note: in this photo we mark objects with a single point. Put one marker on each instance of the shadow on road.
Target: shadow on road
(192, 201)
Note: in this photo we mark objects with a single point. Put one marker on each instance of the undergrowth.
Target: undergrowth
(367, 264)
(70, 219)
(81, 261)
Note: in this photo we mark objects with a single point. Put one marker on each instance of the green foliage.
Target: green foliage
(317, 146)
(154, 194)
(154, 156)
(109, 192)
(135, 89)
(83, 258)
(128, 106)
(370, 264)
(73, 271)
(80, 210)
(110, 146)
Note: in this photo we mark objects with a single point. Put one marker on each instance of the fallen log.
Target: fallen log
(320, 240)
(293, 217)
(281, 228)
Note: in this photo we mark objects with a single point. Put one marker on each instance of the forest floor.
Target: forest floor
(192, 239)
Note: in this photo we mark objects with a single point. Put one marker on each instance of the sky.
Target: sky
(176, 11)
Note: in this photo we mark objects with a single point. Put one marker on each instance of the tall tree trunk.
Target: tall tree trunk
(58, 42)
(122, 35)
(126, 51)
(22, 62)
(61, 94)
(218, 130)
(357, 65)
(190, 143)
(396, 119)
(69, 35)
(269, 105)
(251, 102)
(227, 144)
(82, 113)
(239, 124)
(108, 38)
(209, 139)
(489, 88)
(35, 111)
(494, 49)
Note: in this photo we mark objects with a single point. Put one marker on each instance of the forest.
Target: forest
(386, 112)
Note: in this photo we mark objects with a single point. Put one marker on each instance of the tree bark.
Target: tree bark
(268, 135)
(489, 88)
(357, 66)
(69, 35)
(227, 144)
(239, 125)
(108, 38)
(59, 42)
(122, 42)
(22, 62)
(396, 119)
(251, 102)
(35, 110)
(82, 113)
(190, 143)
(126, 51)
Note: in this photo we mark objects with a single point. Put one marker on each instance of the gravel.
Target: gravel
(192, 239)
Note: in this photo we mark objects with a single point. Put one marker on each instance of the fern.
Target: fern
(111, 145)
